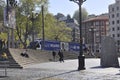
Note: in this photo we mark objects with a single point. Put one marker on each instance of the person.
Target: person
(4, 44)
(4, 56)
(24, 54)
(1, 44)
(61, 56)
(54, 54)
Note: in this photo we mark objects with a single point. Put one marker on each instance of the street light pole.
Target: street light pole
(81, 57)
(8, 33)
(43, 33)
(33, 19)
(13, 4)
(92, 30)
(32, 27)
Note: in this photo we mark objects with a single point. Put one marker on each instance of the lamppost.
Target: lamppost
(81, 58)
(92, 30)
(7, 24)
(43, 33)
(33, 29)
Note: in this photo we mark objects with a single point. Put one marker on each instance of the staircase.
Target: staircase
(10, 62)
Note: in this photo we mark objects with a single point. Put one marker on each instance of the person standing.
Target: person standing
(54, 54)
(4, 44)
(61, 56)
(1, 44)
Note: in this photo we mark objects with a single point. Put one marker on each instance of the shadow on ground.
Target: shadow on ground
(51, 77)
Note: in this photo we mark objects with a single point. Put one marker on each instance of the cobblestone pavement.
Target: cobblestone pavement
(92, 72)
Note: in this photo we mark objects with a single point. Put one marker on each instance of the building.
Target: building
(71, 23)
(114, 21)
(94, 28)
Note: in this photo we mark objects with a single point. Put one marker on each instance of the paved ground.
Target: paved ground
(63, 71)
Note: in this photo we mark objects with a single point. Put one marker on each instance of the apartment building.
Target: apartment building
(93, 29)
(114, 22)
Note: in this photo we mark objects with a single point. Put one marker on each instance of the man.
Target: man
(60, 53)
(54, 54)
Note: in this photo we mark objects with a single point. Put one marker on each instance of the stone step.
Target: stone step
(11, 63)
(18, 67)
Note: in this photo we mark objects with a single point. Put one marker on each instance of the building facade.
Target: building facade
(94, 28)
(114, 21)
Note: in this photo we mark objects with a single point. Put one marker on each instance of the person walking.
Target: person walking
(1, 44)
(4, 44)
(61, 56)
(54, 54)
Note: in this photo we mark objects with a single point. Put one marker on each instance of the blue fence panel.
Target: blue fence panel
(52, 45)
(74, 47)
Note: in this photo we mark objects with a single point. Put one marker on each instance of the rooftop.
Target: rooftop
(97, 18)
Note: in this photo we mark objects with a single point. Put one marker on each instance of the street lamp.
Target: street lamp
(33, 28)
(81, 57)
(92, 30)
(43, 30)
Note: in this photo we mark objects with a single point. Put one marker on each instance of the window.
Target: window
(113, 35)
(113, 16)
(117, 14)
(117, 1)
(118, 28)
(113, 22)
(118, 35)
(117, 21)
(118, 42)
(113, 29)
(113, 9)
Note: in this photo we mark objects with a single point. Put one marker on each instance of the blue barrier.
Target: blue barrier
(51, 45)
(57, 45)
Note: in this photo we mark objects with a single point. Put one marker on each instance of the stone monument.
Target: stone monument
(109, 56)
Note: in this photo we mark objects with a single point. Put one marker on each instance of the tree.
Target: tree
(1, 14)
(24, 20)
(3, 34)
(55, 30)
(84, 14)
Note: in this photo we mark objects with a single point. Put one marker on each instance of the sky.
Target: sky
(66, 7)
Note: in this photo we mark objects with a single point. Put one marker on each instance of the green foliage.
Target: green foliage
(24, 18)
(1, 14)
(54, 30)
(29, 6)
(3, 36)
